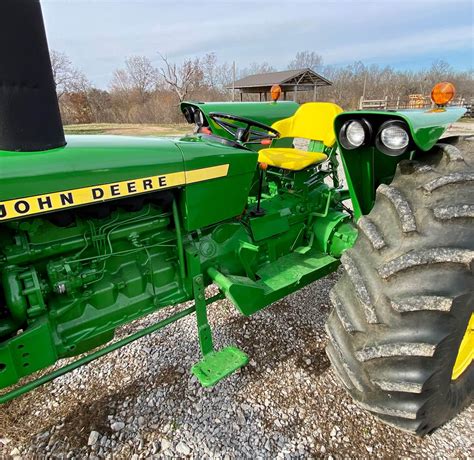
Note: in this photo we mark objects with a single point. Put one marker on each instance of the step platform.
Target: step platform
(274, 280)
(219, 364)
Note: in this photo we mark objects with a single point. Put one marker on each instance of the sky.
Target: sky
(407, 34)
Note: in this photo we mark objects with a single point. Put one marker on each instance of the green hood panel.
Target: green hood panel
(86, 161)
(426, 126)
(93, 169)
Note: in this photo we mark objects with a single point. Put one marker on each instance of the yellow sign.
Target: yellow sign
(56, 201)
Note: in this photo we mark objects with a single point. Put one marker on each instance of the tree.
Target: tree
(210, 69)
(256, 68)
(139, 77)
(182, 79)
(306, 60)
(67, 78)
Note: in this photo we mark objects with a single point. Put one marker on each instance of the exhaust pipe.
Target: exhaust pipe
(29, 111)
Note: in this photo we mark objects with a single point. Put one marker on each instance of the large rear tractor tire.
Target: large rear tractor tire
(401, 338)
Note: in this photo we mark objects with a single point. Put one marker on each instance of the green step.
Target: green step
(219, 364)
(293, 268)
(275, 280)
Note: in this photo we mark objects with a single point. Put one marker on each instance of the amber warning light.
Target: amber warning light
(275, 92)
(442, 93)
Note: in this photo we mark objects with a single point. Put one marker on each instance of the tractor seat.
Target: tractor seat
(290, 158)
(313, 121)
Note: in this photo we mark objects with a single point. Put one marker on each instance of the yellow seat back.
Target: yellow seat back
(313, 120)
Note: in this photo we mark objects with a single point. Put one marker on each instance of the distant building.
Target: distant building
(290, 81)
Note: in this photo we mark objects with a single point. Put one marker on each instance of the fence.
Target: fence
(414, 101)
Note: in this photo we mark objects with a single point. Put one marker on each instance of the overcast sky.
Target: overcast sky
(99, 34)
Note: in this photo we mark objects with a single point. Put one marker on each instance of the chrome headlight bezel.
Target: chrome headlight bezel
(386, 149)
(344, 140)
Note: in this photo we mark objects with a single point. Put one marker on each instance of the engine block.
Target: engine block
(72, 286)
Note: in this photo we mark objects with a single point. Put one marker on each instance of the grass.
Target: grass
(175, 129)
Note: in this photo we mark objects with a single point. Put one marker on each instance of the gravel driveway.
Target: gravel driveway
(142, 401)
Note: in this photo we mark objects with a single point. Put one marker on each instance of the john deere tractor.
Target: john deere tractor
(97, 231)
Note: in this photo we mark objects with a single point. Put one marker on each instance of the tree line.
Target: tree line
(140, 92)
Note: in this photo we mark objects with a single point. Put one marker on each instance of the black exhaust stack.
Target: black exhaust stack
(29, 110)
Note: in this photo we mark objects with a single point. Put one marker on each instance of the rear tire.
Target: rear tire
(402, 307)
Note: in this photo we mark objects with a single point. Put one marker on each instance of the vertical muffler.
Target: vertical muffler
(29, 110)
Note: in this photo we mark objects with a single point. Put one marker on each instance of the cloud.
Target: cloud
(99, 34)
(412, 44)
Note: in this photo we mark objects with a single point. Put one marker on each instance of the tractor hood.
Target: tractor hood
(93, 169)
(85, 161)
(88, 170)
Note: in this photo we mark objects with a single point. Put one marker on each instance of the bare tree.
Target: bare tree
(139, 76)
(256, 68)
(210, 69)
(67, 78)
(182, 79)
(217, 77)
(306, 60)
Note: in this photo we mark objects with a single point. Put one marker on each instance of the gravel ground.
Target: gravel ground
(142, 401)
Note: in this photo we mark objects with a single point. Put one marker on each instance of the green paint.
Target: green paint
(263, 112)
(219, 364)
(366, 167)
(69, 280)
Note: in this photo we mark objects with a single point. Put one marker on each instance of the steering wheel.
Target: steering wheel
(244, 134)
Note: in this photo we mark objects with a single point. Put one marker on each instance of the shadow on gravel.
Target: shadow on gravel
(94, 416)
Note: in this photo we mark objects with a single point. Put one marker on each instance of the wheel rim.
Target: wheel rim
(466, 351)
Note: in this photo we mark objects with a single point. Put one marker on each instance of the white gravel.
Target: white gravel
(141, 401)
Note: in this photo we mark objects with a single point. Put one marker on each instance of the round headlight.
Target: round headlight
(354, 133)
(393, 138)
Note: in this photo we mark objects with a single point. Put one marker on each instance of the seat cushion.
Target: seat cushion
(290, 158)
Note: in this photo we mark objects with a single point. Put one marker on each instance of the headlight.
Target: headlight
(354, 133)
(393, 138)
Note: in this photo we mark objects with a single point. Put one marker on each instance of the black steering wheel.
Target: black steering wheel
(244, 134)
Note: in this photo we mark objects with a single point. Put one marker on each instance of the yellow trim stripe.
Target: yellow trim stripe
(40, 204)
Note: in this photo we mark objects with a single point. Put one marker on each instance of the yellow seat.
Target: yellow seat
(313, 121)
(289, 158)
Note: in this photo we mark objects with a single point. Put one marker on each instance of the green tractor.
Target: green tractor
(97, 231)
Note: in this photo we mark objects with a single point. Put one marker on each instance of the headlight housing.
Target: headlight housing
(355, 133)
(393, 138)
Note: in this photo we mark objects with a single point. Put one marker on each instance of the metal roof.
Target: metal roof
(285, 78)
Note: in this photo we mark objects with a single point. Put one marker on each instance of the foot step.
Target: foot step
(219, 364)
